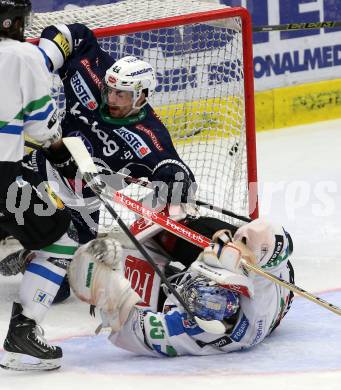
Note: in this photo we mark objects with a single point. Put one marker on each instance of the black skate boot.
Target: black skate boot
(25, 339)
(15, 262)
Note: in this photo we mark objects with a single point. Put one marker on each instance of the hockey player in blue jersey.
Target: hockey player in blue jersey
(107, 105)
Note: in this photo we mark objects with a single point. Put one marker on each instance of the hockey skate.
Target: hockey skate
(25, 347)
(15, 262)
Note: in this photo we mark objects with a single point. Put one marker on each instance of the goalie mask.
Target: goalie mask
(15, 15)
(132, 75)
(209, 301)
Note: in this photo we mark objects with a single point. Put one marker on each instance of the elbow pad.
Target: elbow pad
(56, 42)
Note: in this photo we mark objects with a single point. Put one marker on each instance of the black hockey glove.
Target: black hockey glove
(62, 160)
(173, 183)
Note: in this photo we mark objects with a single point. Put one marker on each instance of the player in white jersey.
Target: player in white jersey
(249, 306)
(28, 210)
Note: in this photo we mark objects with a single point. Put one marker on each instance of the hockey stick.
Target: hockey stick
(147, 184)
(202, 241)
(82, 157)
(91, 176)
(297, 26)
(32, 145)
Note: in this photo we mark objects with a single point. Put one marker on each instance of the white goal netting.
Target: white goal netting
(202, 94)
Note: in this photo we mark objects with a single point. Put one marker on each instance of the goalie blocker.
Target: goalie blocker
(147, 322)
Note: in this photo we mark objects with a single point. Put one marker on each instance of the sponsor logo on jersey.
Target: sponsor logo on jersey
(137, 144)
(110, 146)
(62, 44)
(87, 66)
(43, 298)
(82, 91)
(152, 136)
(240, 329)
(259, 332)
(140, 320)
(218, 343)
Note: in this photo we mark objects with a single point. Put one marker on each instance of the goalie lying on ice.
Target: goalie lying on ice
(150, 321)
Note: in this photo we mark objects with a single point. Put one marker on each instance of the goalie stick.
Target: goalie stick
(147, 184)
(89, 171)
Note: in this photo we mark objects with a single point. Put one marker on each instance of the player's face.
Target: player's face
(119, 102)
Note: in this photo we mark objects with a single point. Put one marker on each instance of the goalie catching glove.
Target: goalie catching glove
(96, 277)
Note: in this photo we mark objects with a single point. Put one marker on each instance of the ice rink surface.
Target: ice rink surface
(299, 172)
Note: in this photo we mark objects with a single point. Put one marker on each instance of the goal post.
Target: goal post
(202, 54)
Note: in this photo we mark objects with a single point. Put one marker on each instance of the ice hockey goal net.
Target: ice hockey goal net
(203, 56)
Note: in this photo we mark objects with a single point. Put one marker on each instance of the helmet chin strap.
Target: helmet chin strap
(134, 109)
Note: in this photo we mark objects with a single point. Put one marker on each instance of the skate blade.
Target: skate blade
(16, 361)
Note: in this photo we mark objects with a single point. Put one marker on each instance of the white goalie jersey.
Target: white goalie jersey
(29, 108)
(255, 311)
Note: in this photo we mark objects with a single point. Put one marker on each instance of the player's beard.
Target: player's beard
(118, 111)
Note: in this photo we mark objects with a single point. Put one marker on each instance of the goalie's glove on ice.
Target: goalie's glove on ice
(173, 183)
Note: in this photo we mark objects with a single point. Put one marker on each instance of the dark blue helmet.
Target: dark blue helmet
(14, 16)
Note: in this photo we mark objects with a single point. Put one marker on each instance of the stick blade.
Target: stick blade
(80, 154)
(214, 326)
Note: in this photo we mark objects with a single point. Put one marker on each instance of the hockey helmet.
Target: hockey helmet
(208, 300)
(15, 15)
(130, 74)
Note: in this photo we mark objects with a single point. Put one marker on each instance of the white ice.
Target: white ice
(299, 172)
